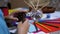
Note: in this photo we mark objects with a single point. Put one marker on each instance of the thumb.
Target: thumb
(26, 22)
(19, 23)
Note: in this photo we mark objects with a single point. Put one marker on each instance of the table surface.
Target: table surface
(54, 15)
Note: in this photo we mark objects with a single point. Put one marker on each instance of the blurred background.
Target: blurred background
(13, 4)
(20, 3)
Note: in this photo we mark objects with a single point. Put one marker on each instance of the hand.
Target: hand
(10, 17)
(23, 27)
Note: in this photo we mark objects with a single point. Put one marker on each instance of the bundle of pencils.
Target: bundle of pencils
(34, 4)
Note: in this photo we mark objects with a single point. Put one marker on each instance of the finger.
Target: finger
(13, 18)
(19, 24)
(26, 22)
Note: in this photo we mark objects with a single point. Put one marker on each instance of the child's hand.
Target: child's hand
(23, 27)
(11, 16)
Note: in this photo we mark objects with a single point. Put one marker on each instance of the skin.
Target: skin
(22, 27)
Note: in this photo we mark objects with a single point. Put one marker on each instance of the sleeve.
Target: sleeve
(3, 27)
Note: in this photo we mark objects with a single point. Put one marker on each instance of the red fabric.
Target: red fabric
(50, 27)
(53, 28)
(5, 11)
(42, 28)
(55, 25)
